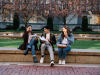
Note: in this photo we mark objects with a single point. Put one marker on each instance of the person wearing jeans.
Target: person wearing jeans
(65, 38)
(63, 51)
(32, 46)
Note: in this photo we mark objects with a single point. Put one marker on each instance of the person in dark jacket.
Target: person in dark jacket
(47, 44)
(29, 46)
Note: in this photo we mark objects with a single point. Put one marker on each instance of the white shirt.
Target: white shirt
(48, 37)
(65, 41)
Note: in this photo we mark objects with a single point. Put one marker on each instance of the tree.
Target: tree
(65, 8)
(60, 8)
(25, 8)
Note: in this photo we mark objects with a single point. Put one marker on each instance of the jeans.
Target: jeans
(32, 45)
(63, 51)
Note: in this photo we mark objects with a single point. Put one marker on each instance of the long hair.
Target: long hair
(27, 27)
(68, 31)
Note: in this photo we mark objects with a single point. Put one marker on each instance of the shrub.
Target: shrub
(9, 27)
(56, 28)
(77, 28)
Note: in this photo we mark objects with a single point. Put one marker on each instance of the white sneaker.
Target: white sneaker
(42, 59)
(52, 63)
(63, 62)
(59, 62)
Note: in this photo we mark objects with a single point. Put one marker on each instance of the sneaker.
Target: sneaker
(63, 62)
(52, 63)
(59, 62)
(42, 59)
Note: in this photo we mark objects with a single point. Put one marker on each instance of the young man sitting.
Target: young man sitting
(50, 37)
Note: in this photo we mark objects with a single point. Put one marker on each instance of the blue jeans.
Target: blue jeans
(63, 51)
(32, 45)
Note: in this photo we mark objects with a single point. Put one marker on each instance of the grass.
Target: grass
(76, 32)
(76, 45)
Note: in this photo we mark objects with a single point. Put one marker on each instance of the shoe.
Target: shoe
(35, 60)
(42, 59)
(26, 52)
(52, 63)
(63, 62)
(60, 62)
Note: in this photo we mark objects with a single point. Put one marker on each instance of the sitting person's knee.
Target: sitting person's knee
(42, 45)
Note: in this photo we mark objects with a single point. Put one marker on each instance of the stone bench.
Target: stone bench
(56, 34)
(83, 56)
(15, 35)
(75, 37)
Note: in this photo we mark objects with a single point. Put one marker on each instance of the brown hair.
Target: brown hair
(68, 31)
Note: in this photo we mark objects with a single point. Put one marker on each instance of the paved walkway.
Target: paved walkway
(29, 68)
(47, 70)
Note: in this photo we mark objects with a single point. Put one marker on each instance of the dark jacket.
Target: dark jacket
(52, 39)
(25, 38)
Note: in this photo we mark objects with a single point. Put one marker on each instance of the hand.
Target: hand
(65, 33)
(48, 39)
(43, 41)
(27, 29)
(57, 44)
(35, 38)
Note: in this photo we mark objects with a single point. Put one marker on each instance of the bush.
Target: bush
(9, 27)
(77, 28)
(22, 28)
(89, 29)
(56, 28)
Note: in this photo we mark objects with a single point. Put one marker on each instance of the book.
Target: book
(43, 38)
(30, 37)
(62, 45)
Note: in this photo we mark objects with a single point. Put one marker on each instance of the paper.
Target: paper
(30, 37)
(61, 45)
(42, 38)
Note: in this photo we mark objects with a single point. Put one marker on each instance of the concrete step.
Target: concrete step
(82, 56)
(48, 64)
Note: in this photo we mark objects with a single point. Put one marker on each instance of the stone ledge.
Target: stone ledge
(85, 56)
(73, 51)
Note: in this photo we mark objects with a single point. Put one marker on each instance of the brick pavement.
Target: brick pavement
(47, 70)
